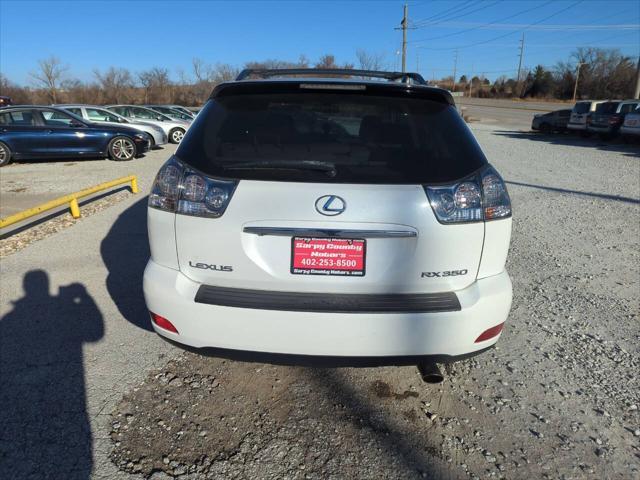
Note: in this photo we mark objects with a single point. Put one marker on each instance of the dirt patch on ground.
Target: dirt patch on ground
(234, 419)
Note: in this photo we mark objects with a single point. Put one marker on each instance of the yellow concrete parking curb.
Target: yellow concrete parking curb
(71, 199)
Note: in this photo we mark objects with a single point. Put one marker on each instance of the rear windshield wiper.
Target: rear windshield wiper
(326, 167)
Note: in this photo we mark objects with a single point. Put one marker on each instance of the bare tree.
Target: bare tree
(329, 61)
(51, 72)
(19, 95)
(223, 72)
(201, 71)
(370, 61)
(303, 61)
(156, 84)
(115, 82)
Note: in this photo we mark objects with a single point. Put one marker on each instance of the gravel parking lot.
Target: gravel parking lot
(558, 398)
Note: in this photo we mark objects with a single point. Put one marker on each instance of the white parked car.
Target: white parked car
(631, 127)
(174, 129)
(580, 114)
(330, 217)
(102, 115)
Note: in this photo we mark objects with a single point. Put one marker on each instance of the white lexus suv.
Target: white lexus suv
(331, 216)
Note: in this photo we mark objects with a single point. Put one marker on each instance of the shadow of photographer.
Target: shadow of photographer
(44, 424)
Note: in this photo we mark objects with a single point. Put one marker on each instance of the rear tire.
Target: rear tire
(545, 128)
(5, 154)
(122, 149)
(176, 135)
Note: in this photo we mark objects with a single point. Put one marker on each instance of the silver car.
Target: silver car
(172, 112)
(174, 129)
(97, 114)
(182, 109)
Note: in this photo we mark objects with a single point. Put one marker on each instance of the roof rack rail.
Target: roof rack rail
(404, 77)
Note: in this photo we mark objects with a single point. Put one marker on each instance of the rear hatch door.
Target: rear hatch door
(330, 190)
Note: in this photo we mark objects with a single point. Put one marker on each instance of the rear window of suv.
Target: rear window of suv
(607, 108)
(582, 107)
(350, 138)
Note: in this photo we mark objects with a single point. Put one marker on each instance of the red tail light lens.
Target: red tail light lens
(163, 322)
(489, 333)
(482, 197)
(179, 189)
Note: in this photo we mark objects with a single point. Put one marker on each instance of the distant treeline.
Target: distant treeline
(604, 73)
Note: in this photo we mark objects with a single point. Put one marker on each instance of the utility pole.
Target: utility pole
(575, 88)
(636, 94)
(520, 63)
(404, 37)
(455, 67)
(404, 26)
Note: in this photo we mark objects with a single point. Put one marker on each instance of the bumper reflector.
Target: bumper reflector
(163, 322)
(489, 333)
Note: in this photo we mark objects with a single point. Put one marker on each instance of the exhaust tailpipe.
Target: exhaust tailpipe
(430, 373)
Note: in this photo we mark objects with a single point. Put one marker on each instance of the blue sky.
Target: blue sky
(141, 34)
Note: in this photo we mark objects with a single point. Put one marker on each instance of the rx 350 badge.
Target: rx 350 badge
(446, 273)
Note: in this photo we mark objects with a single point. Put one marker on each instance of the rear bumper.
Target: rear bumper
(483, 305)
(625, 130)
(160, 138)
(600, 128)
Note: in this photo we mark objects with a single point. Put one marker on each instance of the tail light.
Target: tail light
(615, 119)
(481, 197)
(180, 189)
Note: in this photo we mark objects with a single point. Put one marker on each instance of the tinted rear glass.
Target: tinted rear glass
(607, 108)
(582, 107)
(19, 117)
(367, 138)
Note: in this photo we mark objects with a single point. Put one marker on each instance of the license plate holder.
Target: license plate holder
(344, 257)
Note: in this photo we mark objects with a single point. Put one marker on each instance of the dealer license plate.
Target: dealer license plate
(328, 256)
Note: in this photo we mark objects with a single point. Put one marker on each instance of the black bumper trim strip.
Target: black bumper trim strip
(328, 303)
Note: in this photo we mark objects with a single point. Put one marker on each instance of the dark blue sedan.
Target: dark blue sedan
(34, 132)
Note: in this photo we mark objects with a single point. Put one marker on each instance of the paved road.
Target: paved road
(510, 113)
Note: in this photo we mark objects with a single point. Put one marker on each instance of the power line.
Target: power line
(465, 14)
(507, 34)
(443, 13)
(485, 24)
(548, 28)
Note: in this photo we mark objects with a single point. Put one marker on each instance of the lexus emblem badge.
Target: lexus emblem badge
(330, 205)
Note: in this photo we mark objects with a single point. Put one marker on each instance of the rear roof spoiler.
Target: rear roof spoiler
(404, 77)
